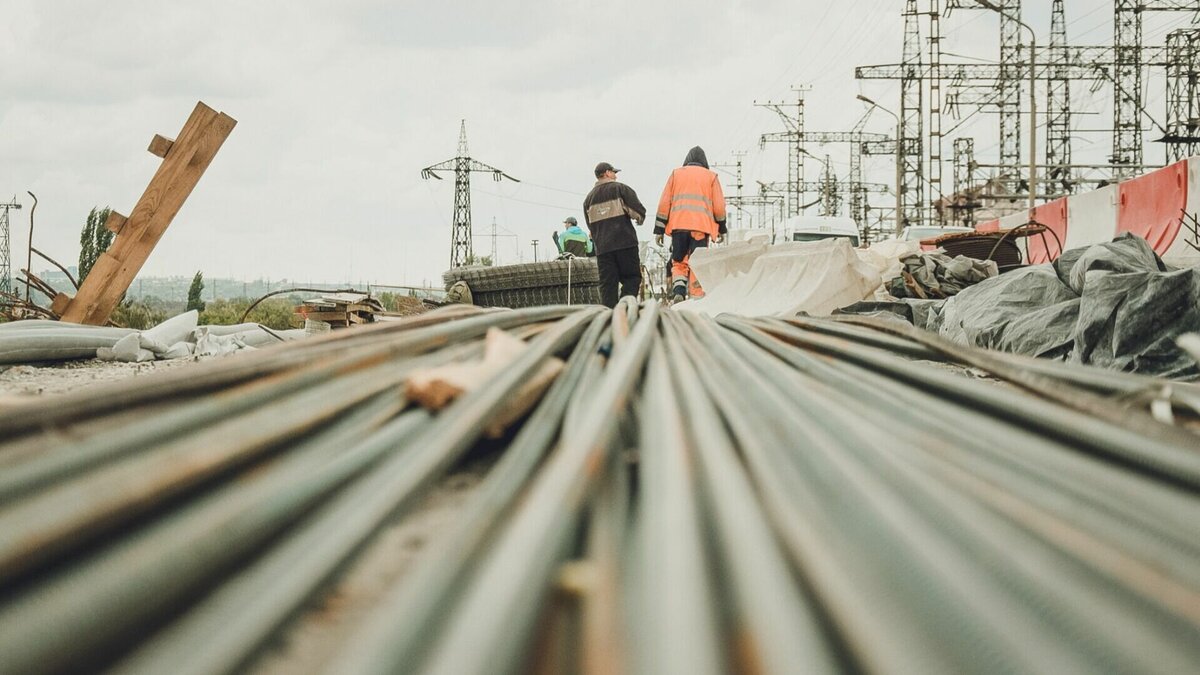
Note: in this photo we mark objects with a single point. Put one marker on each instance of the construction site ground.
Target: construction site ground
(315, 636)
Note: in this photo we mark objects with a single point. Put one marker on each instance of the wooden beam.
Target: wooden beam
(160, 145)
(60, 303)
(115, 222)
(191, 153)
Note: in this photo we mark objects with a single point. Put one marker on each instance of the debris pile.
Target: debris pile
(937, 275)
(340, 310)
(688, 493)
(1114, 305)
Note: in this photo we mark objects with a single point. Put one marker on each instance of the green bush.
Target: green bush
(277, 313)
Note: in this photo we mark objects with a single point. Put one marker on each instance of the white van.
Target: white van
(816, 228)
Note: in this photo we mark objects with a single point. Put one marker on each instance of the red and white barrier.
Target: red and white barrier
(1047, 247)
(1093, 217)
(1151, 206)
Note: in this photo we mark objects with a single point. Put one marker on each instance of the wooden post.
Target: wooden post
(184, 161)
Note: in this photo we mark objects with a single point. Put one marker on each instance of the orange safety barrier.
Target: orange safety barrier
(989, 226)
(1043, 248)
(1150, 206)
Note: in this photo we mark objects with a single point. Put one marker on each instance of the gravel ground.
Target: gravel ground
(57, 378)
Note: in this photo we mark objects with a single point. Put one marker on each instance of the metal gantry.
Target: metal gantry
(1183, 94)
(794, 137)
(911, 158)
(461, 249)
(1058, 107)
(997, 87)
(737, 199)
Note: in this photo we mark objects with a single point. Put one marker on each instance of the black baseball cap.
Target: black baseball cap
(603, 167)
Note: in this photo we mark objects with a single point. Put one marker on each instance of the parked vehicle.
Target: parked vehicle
(816, 228)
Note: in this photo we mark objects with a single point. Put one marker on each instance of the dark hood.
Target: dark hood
(696, 156)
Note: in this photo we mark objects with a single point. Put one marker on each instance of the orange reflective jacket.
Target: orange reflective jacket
(693, 201)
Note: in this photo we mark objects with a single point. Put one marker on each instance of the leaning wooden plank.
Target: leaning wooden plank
(191, 153)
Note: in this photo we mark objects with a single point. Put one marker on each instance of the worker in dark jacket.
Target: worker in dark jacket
(611, 209)
(691, 212)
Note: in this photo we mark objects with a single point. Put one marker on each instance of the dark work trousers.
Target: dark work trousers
(683, 244)
(623, 266)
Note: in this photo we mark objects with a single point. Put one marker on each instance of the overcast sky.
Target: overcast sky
(340, 105)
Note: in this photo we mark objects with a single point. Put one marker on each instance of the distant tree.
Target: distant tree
(485, 260)
(194, 291)
(93, 240)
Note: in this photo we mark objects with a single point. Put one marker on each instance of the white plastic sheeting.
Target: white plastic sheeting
(753, 279)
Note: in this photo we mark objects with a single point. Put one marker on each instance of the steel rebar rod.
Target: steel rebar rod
(1164, 451)
(679, 631)
(508, 589)
(229, 626)
(404, 622)
(73, 619)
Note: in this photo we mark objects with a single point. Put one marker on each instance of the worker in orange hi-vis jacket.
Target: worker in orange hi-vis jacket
(691, 212)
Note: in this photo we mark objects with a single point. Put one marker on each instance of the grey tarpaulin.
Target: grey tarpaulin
(937, 275)
(1114, 305)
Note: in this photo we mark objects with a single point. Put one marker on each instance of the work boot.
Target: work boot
(679, 290)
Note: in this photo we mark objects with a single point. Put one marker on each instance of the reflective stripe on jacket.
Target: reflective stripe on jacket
(610, 209)
(692, 201)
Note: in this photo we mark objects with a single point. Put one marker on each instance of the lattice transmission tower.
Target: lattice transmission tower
(461, 250)
(5, 250)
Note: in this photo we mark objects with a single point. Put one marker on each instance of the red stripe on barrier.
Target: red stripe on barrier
(989, 226)
(1043, 248)
(1150, 205)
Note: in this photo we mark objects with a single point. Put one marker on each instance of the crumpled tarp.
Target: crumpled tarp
(754, 279)
(40, 340)
(1115, 305)
(937, 275)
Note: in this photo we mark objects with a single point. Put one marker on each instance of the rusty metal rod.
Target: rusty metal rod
(510, 585)
(231, 624)
(406, 621)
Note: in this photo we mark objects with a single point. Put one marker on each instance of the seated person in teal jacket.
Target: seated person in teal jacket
(574, 240)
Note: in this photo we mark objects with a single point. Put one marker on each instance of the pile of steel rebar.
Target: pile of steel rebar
(690, 495)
